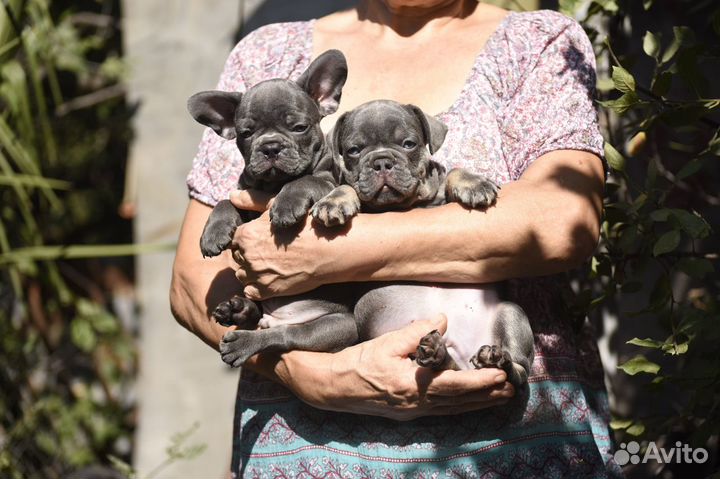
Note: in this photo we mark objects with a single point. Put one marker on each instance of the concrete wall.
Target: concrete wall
(175, 48)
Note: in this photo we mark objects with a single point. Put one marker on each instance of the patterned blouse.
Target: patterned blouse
(530, 92)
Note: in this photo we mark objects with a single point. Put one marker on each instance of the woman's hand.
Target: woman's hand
(378, 378)
(274, 263)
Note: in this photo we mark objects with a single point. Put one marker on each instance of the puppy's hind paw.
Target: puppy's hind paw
(431, 352)
(238, 311)
(235, 347)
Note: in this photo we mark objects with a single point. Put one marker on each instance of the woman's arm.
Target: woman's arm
(545, 222)
(199, 284)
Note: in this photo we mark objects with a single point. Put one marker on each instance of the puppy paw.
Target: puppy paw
(337, 207)
(236, 347)
(238, 311)
(215, 239)
(491, 357)
(431, 352)
(285, 214)
(471, 190)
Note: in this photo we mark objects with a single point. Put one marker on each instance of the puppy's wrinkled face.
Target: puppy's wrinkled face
(276, 123)
(382, 151)
(278, 131)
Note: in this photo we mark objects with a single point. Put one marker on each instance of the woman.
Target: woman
(516, 93)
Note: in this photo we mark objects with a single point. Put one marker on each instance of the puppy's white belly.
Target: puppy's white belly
(283, 311)
(470, 311)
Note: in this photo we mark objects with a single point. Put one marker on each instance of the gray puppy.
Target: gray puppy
(382, 160)
(276, 125)
(383, 157)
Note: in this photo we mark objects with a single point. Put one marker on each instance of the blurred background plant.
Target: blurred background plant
(653, 278)
(68, 361)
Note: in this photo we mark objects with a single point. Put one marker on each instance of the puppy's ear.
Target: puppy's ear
(323, 80)
(333, 139)
(433, 129)
(216, 109)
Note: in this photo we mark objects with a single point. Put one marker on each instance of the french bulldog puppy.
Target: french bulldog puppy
(383, 159)
(276, 125)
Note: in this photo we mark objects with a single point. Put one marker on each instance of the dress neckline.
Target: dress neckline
(309, 44)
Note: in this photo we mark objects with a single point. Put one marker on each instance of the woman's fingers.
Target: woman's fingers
(454, 383)
(251, 200)
(404, 341)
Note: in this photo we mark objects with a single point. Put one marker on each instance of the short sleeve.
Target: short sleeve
(551, 104)
(261, 55)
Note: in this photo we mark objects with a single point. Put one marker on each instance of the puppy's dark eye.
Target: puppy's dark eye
(353, 151)
(299, 128)
(409, 144)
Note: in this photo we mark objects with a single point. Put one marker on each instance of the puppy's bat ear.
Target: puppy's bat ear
(433, 129)
(324, 79)
(333, 138)
(215, 109)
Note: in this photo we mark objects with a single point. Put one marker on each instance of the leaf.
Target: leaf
(667, 243)
(83, 334)
(651, 45)
(122, 467)
(622, 104)
(639, 364)
(690, 168)
(623, 80)
(616, 424)
(614, 158)
(647, 4)
(681, 36)
(692, 223)
(646, 343)
(675, 349)
(696, 268)
(636, 429)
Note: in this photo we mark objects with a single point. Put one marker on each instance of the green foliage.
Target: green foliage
(66, 362)
(659, 253)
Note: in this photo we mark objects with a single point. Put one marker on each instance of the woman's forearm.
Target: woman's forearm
(199, 284)
(544, 223)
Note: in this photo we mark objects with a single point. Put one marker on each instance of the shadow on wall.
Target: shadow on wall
(274, 11)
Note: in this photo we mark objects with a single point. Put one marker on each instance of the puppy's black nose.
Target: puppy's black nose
(383, 164)
(271, 150)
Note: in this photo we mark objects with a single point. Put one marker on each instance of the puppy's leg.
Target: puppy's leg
(292, 204)
(238, 311)
(432, 352)
(220, 228)
(337, 207)
(328, 333)
(512, 348)
(469, 189)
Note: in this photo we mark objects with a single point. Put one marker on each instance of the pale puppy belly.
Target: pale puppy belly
(470, 312)
(284, 311)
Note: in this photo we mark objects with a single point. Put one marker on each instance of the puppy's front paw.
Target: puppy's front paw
(216, 238)
(431, 352)
(284, 214)
(337, 208)
(238, 311)
(471, 190)
(236, 347)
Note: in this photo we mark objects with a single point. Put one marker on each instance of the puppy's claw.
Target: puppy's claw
(334, 211)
